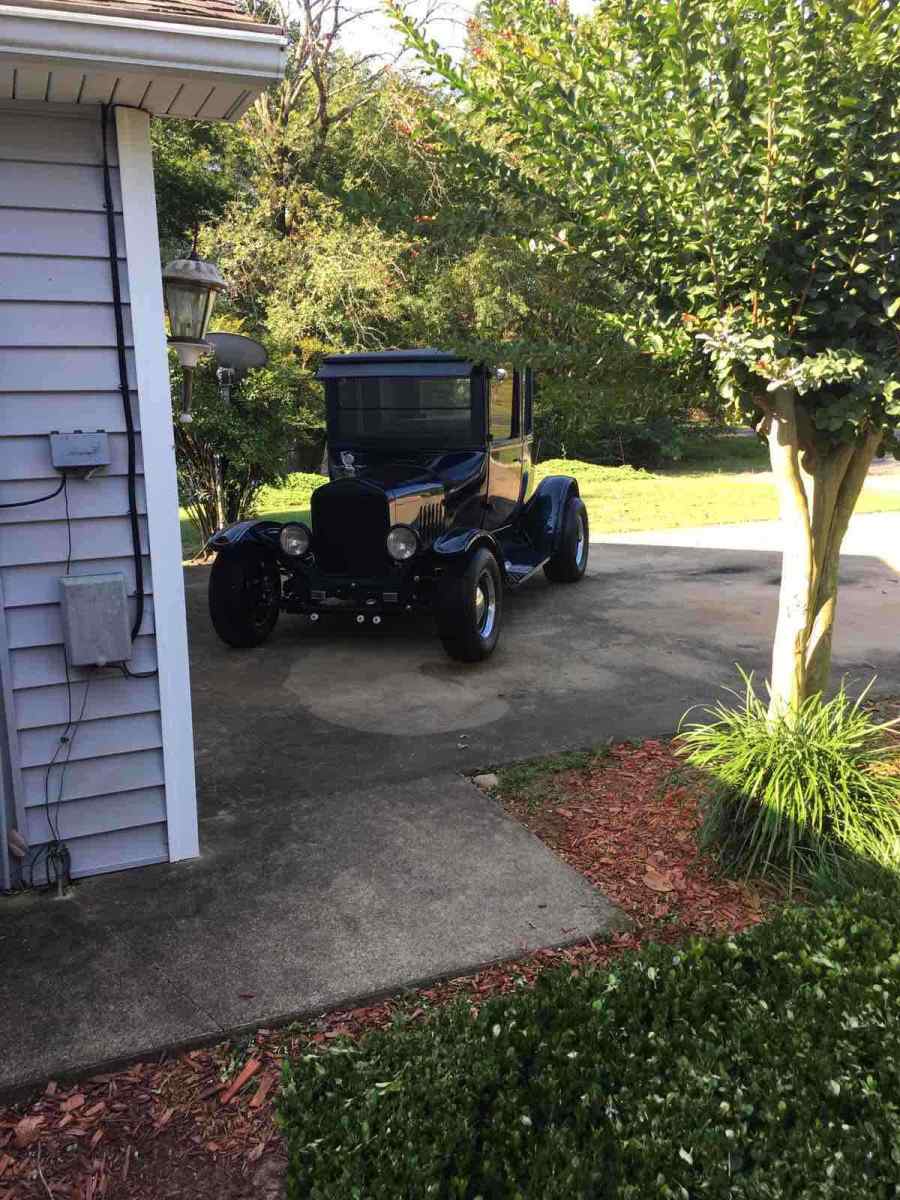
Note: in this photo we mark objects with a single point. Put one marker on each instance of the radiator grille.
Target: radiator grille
(430, 521)
(350, 524)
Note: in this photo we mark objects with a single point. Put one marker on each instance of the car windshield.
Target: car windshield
(426, 411)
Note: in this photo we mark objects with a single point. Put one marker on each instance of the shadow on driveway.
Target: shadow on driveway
(649, 632)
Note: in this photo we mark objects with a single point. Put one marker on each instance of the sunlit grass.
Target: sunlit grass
(623, 500)
(619, 499)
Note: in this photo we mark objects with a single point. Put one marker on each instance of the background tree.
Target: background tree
(734, 167)
(196, 168)
(342, 221)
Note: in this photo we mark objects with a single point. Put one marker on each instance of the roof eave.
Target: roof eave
(131, 13)
(237, 53)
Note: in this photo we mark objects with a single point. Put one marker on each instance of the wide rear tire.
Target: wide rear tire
(470, 608)
(569, 561)
(244, 595)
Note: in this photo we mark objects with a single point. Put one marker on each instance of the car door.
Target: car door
(506, 448)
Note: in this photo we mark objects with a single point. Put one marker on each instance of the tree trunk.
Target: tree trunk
(818, 650)
(221, 519)
(788, 681)
(817, 492)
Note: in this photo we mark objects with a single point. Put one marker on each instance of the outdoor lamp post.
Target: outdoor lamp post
(190, 286)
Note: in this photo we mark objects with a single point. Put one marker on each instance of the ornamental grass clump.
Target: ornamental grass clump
(812, 796)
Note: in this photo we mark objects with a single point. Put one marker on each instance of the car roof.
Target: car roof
(377, 356)
(394, 363)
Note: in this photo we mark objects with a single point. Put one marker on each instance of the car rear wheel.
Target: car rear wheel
(569, 561)
(470, 608)
(244, 595)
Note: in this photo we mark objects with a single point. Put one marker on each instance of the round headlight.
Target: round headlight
(294, 540)
(402, 543)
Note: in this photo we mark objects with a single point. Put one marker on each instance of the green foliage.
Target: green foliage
(732, 166)
(376, 236)
(758, 1067)
(637, 443)
(250, 435)
(294, 491)
(814, 798)
(707, 449)
(195, 169)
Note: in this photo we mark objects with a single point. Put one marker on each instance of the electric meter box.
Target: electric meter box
(95, 621)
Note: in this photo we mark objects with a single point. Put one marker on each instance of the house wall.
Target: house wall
(58, 371)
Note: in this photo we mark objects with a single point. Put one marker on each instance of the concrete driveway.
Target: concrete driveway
(655, 627)
(342, 853)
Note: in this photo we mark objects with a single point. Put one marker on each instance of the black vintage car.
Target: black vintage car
(431, 503)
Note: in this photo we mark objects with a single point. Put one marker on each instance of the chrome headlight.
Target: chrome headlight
(402, 543)
(294, 540)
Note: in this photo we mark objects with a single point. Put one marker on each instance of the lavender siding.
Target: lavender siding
(58, 371)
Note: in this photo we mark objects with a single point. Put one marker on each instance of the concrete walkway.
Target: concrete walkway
(311, 902)
(343, 854)
(871, 535)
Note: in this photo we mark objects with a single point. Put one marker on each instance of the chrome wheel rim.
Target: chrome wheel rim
(259, 594)
(485, 604)
(581, 543)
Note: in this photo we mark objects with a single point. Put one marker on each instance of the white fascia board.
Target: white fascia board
(90, 41)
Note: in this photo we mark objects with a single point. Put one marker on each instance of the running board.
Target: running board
(520, 560)
(516, 576)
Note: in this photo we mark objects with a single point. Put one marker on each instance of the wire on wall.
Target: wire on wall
(54, 854)
(36, 500)
(123, 375)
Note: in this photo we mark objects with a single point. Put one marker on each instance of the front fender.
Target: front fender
(457, 543)
(261, 533)
(542, 516)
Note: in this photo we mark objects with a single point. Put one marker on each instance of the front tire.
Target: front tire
(244, 595)
(470, 608)
(569, 561)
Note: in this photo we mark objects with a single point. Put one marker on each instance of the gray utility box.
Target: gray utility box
(95, 621)
(79, 453)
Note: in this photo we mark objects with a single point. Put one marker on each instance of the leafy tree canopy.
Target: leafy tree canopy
(735, 164)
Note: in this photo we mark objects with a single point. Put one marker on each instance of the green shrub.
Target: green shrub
(808, 798)
(764, 1066)
(647, 444)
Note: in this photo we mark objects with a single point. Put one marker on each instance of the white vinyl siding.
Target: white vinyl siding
(58, 370)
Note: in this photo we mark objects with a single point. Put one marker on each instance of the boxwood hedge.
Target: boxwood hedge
(766, 1065)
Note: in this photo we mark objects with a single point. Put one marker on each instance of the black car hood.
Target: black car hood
(425, 473)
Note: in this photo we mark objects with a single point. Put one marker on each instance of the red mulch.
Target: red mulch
(200, 1126)
(629, 823)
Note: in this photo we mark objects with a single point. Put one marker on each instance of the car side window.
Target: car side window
(504, 401)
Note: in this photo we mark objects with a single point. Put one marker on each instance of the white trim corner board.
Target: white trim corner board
(158, 442)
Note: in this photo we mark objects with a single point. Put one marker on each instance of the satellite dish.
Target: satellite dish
(237, 353)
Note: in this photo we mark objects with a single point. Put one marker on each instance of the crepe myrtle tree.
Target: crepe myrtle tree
(735, 166)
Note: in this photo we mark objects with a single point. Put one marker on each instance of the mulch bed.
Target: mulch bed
(200, 1125)
(629, 823)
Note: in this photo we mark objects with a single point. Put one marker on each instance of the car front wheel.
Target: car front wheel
(244, 595)
(569, 561)
(470, 608)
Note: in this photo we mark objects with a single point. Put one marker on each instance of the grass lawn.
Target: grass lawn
(713, 486)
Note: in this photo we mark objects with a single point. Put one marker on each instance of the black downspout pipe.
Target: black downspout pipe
(123, 377)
